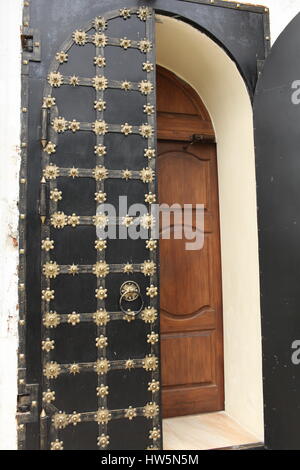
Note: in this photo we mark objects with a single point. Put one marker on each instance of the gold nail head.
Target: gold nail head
(21, 356)
(22, 322)
(25, 62)
(34, 403)
(21, 381)
(22, 216)
(22, 251)
(23, 180)
(24, 110)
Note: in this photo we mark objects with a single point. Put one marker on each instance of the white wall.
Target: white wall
(217, 80)
(282, 11)
(10, 20)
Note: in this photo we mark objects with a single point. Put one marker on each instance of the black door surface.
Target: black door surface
(88, 371)
(99, 293)
(277, 135)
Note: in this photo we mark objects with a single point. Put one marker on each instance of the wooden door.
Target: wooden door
(191, 299)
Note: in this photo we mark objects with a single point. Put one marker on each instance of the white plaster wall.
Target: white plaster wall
(282, 11)
(10, 20)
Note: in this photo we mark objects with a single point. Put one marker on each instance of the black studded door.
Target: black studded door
(99, 270)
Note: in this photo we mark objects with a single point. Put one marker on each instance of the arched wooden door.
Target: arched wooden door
(191, 297)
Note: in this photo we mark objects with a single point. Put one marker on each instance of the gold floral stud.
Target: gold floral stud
(101, 293)
(147, 175)
(100, 105)
(73, 318)
(75, 418)
(103, 441)
(125, 43)
(100, 245)
(144, 13)
(148, 67)
(152, 291)
(55, 79)
(125, 13)
(100, 173)
(51, 172)
(51, 270)
(74, 369)
(126, 129)
(126, 85)
(102, 366)
(61, 57)
(52, 370)
(149, 153)
(100, 61)
(55, 195)
(102, 391)
(151, 245)
(149, 315)
(128, 268)
(101, 269)
(100, 220)
(73, 220)
(154, 434)
(48, 101)
(74, 125)
(146, 131)
(80, 37)
(150, 362)
(50, 148)
(126, 175)
(152, 338)
(57, 445)
(74, 80)
(48, 396)
(100, 197)
(101, 317)
(100, 127)
(129, 364)
(48, 345)
(100, 22)
(100, 40)
(100, 150)
(73, 269)
(103, 416)
(59, 124)
(47, 294)
(47, 244)
(51, 320)
(59, 220)
(100, 82)
(74, 172)
(148, 268)
(150, 410)
(153, 386)
(130, 413)
(145, 46)
(60, 420)
(145, 87)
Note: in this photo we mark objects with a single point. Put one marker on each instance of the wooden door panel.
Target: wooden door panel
(192, 170)
(198, 347)
(205, 319)
(191, 309)
(188, 276)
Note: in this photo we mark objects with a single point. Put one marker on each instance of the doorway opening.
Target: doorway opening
(194, 358)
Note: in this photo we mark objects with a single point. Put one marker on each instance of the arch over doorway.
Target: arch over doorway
(214, 76)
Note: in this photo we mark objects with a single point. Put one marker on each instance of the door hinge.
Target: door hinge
(31, 44)
(204, 138)
(27, 404)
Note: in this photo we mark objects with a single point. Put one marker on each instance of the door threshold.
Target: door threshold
(207, 431)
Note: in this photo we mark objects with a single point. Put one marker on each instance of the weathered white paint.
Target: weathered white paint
(282, 11)
(10, 20)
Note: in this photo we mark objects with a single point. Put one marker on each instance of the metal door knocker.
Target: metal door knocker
(129, 292)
